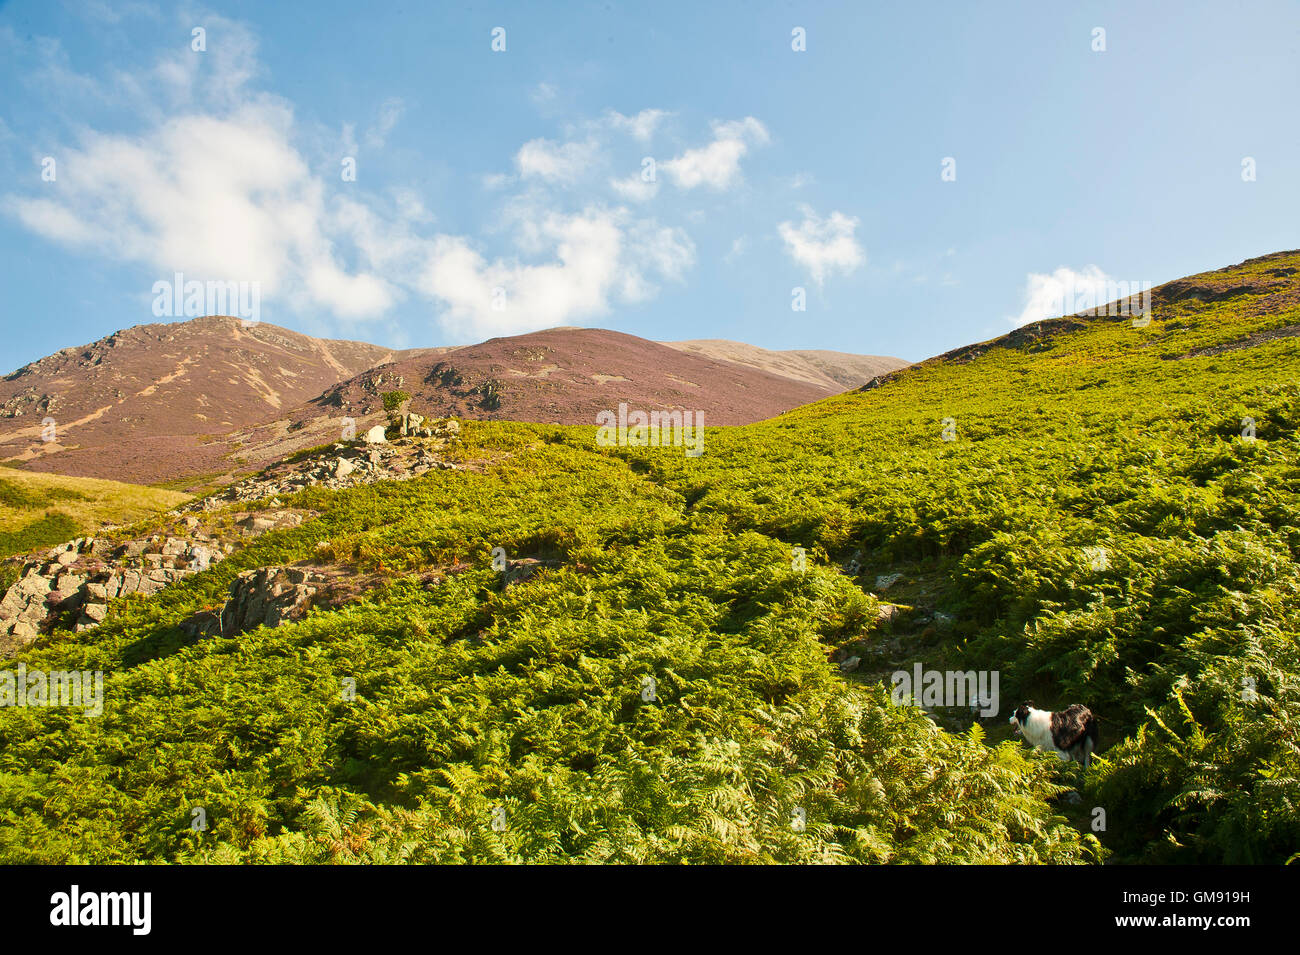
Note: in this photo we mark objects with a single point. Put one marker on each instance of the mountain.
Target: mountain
(568, 375)
(507, 642)
(210, 398)
(154, 401)
(833, 370)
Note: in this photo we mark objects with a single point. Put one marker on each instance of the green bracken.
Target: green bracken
(1115, 523)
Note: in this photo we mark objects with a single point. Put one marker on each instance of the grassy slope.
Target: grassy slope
(529, 703)
(1103, 437)
(40, 510)
(469, 698)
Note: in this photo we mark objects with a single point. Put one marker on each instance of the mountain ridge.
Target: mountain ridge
(212, 397)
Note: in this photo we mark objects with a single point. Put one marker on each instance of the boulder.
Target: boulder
(376, 435)
(268, 597)
(885, 581)
(95, 613)
(412, 423)
(205, 623)
(133, 548)
(256, 524)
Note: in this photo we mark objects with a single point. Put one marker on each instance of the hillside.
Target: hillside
(153, 401)
(568, 375)
(835, 371)
(40, 510)
(557, 376)
(651, 670)
(206, 400)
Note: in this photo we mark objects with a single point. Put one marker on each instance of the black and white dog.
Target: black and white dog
(1071, 733)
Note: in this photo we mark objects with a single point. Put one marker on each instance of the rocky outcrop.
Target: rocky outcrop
(526, 568)
(265, 597)
(409, 424)
(76, 581)
(350, 464)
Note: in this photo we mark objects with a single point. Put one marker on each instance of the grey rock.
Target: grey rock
(94, 612)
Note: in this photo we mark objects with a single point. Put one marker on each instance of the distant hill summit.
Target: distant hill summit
(556, 376)
(567, 375)
(833, 370)
(213, 397)
(145, 403)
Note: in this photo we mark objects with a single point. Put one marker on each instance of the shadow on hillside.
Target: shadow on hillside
(165, 640)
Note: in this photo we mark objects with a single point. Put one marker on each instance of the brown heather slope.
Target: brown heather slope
(560, 375)
(834, 370)
(211, 399)
(566, 376)
(153, 402)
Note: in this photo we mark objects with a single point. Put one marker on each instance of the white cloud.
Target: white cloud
(717, 165)
(823, 246)
(348, 140)
(739, 246)
(641, 126)
(390, 111)
(1051, 295)
(222, 198)
(596, 260)
(216, 184)
(663, 251)
(634, 188)
(555, 162)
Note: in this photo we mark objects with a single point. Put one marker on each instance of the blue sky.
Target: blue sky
(503, 191)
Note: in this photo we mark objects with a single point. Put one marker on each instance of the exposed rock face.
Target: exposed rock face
(77, 580)
(349, 464)
(83, 575)
(267, 596)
